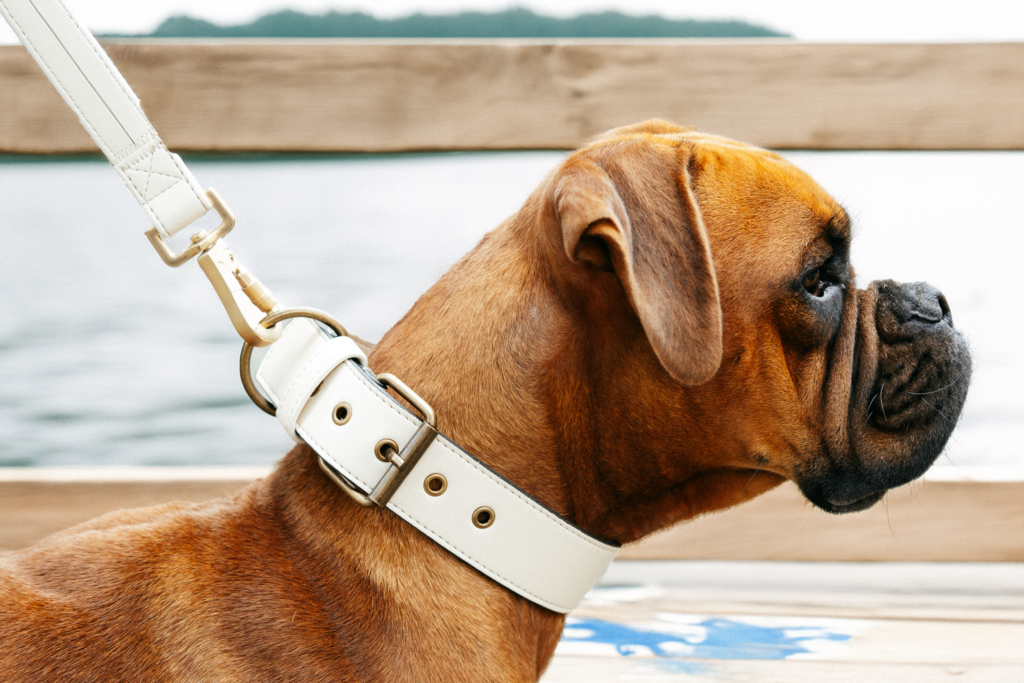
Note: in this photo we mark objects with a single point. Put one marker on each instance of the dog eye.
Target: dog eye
(814, 285)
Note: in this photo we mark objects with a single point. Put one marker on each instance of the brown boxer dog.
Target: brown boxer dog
(669, 326)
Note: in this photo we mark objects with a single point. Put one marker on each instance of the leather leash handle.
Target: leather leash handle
(107, 108)
(91, 85)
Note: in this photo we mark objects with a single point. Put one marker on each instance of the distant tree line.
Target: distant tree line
(510, 23)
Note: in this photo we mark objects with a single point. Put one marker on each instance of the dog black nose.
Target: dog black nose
(921, 301)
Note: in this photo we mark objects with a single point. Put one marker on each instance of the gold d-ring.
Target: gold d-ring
(272, 319)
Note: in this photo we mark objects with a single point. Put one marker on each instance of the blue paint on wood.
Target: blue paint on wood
(711, 638)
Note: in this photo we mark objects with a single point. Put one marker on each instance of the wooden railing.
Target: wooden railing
(351, 96)
(951, 515)
(345, 96)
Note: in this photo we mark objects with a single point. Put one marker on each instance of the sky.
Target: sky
(807, 20)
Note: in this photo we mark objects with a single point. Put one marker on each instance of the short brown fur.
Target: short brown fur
(628, 348)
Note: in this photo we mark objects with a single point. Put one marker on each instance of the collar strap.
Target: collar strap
(326, 397)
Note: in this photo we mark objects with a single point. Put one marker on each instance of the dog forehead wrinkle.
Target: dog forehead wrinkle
(839, 225)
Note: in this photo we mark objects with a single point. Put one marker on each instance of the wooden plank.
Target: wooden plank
(36, 502)
(673, 621)
(345, 96)
(606, 670)
(927, 521)
(930, 520)
(925, 591)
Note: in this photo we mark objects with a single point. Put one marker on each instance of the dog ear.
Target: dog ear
(641, 208)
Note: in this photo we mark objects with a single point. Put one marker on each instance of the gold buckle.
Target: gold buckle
(201, 241)
(403, 462)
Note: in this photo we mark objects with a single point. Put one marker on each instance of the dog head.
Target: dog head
(716, 276)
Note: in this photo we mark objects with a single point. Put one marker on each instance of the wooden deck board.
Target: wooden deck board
(923, 521)
(944, 591)
(598, 670)
(35, 503)
(666, 621)
(745, 620)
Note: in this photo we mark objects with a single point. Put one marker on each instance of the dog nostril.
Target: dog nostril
(929, 314)
(924, 302)
(944, 305)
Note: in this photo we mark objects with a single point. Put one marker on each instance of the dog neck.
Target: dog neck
(478, 347)
(537, 368)
(540, 368)
(474, 347)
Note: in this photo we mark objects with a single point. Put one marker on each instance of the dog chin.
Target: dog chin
(839, 505)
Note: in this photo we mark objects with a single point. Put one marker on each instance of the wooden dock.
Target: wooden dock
(926, 587)
(951, 515)
(791, 622)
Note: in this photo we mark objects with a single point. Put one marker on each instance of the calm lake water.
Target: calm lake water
(108, 357)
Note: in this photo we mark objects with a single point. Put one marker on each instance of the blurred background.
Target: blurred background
(107, 357)
(806, 20)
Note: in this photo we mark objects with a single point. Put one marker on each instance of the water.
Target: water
(108, 357)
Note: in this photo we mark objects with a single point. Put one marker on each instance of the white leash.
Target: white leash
(92, 86)
(319, 387)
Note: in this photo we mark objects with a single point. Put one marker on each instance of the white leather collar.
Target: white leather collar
(526, 547)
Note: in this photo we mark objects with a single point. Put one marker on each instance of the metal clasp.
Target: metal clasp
(243, 296)
(401, 463)
(201, 241)
(246, 300)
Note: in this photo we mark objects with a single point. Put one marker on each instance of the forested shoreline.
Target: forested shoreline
(510, 23)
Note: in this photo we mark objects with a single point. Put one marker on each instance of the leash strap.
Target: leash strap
(108, 109)
(342, 411)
